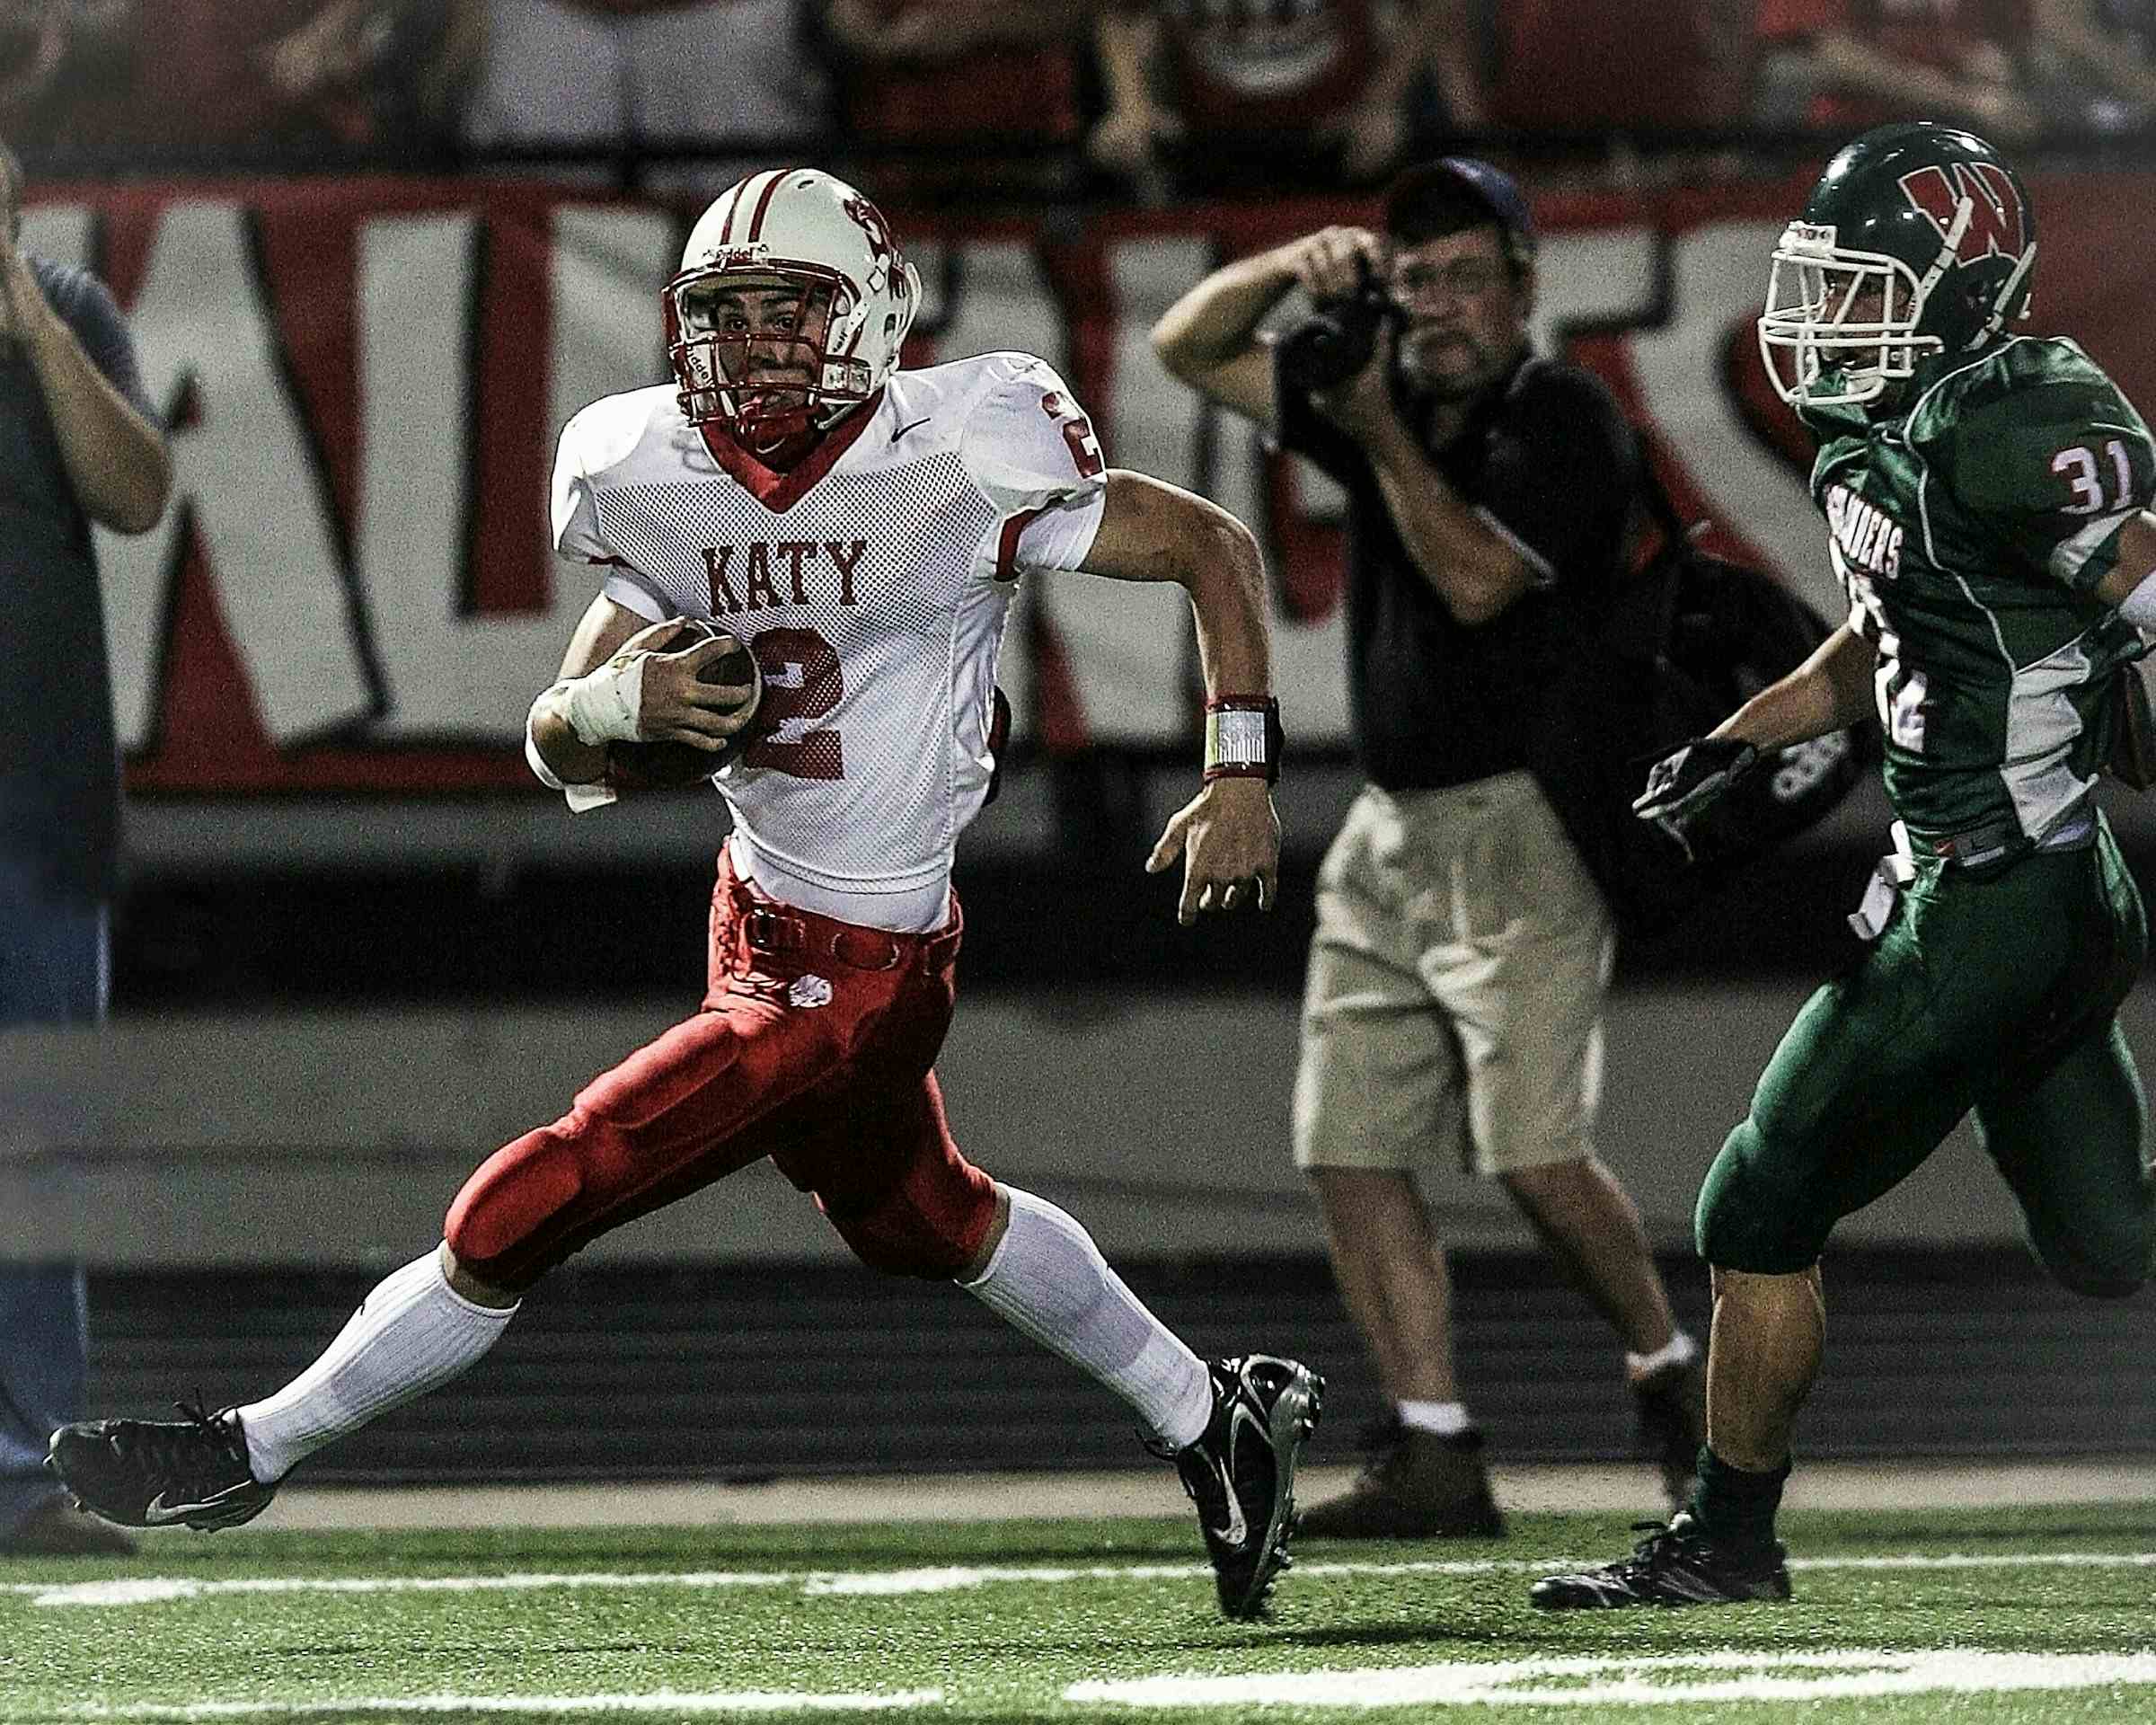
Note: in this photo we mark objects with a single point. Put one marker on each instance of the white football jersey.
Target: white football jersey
(873, 583)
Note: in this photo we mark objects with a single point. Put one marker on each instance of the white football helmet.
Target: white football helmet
(799, 229)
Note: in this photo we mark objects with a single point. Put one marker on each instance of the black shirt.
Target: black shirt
(1548, 458)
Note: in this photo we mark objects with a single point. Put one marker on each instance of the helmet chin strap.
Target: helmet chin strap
(1964, 213)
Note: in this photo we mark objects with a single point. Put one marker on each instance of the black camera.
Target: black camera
(1335, 342)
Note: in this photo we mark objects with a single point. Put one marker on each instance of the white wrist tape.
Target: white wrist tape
(2139, 607)
(603, 705)
(581, 797)
(544, 774)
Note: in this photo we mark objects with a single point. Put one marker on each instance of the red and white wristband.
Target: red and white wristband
(1243, 739)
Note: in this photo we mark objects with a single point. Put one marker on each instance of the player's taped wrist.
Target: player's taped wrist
(1243, 739)
(606, 704)
(560, 697)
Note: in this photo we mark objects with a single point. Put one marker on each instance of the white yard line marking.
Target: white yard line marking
(1640, 1682)
(137, 1590)
(670, 1701)
(156, 1589)
(955, 1579)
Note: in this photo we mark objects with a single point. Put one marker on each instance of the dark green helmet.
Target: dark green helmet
(1918, 240)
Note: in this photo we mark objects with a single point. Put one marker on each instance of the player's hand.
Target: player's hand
(1229, 840)
(677, 705)
(1334, 262)
(1683, 784)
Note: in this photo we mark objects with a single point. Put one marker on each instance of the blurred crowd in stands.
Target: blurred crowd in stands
(1014, 98)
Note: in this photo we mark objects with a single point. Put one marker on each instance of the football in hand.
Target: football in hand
(667, 763)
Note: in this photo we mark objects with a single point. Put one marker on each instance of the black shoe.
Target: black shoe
(1417, 1485)
(1671, 1405)
(161, 1473)
(1240, 1472)
(1673, 1565)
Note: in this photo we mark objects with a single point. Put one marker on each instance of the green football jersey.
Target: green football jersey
(1969, 534)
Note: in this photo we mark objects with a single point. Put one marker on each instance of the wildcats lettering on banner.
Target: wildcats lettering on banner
(754, 573)
(364, 380)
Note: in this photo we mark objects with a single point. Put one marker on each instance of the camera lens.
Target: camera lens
(1332, 344)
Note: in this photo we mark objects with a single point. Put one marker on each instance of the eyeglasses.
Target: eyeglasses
(1463, 278)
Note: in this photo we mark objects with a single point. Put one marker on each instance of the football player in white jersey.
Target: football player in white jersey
(862, 529)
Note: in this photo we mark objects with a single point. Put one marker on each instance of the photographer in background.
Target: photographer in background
(79, 442)
(1454, 1000)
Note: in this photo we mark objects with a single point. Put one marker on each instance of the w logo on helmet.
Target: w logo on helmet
(882, 247)
(1996, 225)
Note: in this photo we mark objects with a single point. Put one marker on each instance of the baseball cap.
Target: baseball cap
(1490, 187)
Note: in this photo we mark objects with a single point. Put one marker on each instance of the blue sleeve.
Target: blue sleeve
(87, 309)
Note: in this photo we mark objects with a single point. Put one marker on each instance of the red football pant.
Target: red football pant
(814, 1047)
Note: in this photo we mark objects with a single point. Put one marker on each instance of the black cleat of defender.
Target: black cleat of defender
(1673, 1565)
(189, 1473)
(1241, 1472)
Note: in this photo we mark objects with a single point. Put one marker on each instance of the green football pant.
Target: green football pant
(1994, 994)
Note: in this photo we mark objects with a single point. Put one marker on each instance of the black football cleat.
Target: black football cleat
(1673, 1565)
(190, 1472)
(1240, 1472)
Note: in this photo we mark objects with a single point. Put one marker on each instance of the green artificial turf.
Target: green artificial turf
(336, 1627)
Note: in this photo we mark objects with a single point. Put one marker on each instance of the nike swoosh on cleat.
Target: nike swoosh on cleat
(1237, 1530)
(158, 1513)
(902, 430)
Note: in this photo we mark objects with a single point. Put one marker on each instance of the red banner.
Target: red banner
(353, 593)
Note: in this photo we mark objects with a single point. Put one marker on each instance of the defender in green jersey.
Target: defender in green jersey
(1987, 499)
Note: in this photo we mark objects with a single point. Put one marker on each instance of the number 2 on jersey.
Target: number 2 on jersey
(1078, 432)
(802, 681)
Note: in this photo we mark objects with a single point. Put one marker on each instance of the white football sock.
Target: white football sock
(1048, 1279)
(1445, 1418)
(1680, 1350)
(412, 1334)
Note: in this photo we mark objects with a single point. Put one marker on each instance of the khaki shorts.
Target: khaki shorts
(1454, 1001)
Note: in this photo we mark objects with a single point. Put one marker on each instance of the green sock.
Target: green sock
(1734, 1505)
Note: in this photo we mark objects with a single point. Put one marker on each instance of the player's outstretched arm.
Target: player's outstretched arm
(1830, 691)
(1228, 836)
